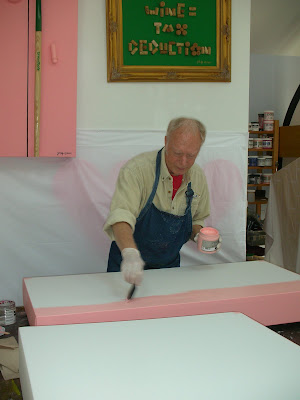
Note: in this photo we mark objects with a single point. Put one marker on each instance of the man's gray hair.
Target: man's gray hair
(190, 124)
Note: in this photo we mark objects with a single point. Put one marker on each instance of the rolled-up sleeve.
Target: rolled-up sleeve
(125, 204)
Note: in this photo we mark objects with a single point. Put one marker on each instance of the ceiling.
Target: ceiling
(275, 27)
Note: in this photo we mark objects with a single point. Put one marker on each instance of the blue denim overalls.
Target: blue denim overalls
(159, 235)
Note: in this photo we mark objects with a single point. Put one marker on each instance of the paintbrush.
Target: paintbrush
(131, 292)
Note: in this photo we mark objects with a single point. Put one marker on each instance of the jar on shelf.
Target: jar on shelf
(258, 179)
(267, 178)
(261, 161)
(257, 143)
(268, 161)
(251, 179)
(261, 121)
(252, 161)
(267, 143)
(255, 126)
(268, 126)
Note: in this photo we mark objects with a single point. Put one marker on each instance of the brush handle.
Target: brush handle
(37, 92)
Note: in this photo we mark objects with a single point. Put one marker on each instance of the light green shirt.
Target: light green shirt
(134, 186)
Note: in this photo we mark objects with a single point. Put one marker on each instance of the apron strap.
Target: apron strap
(154, 188)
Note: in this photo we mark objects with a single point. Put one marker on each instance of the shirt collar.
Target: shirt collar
(164, 172)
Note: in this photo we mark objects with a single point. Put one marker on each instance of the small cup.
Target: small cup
(208, 240)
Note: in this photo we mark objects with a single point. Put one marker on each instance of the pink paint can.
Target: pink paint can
(208, 240)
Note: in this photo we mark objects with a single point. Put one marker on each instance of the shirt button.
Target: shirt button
(169, 178)
(169, 191)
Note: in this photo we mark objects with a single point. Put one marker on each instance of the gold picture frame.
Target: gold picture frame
(117, 52)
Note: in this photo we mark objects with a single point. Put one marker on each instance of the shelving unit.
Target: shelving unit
(270, 152)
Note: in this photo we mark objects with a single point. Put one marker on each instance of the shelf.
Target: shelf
(262, 132)
(258, 202)
(257, 184)
(255, 149)
(260, 167)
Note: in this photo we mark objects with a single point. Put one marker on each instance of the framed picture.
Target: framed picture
(150, 40)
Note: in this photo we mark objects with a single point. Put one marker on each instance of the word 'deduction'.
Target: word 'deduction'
(169, 47)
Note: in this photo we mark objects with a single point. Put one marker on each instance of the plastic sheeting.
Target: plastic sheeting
(52, 210)
(282, 223)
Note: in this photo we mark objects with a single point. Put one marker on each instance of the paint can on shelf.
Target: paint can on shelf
(268, 126)
(252, 161)
(267, 143)
(258, 179)
(208, 240)
(7, 312)
(251, 179)
(254, 126)
(261, 121)
(268, 161)
(268, 115)
(257, 143)
(261, 161)
(267, 178)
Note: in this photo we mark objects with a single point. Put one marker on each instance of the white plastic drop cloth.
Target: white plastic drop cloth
(52, 210)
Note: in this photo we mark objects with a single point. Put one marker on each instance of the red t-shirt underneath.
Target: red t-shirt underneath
(176, 184)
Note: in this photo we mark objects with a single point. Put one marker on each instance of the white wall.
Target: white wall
(273, 82)
(220, 106)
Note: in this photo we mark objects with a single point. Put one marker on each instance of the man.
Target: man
(160, 202)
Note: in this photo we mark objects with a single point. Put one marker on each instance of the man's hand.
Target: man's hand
(218, 245)
(132, 266)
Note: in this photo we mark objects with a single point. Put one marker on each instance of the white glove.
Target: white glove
(132, 266)
(218, 245)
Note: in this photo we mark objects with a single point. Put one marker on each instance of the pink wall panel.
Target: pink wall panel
(13, 78)
(59, 80)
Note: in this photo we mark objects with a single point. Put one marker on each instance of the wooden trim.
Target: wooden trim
(289, 141)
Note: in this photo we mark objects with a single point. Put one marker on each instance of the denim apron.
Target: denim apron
(159, 235)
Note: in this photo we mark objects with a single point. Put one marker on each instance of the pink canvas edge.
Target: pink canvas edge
(268, 304)
(28, 305)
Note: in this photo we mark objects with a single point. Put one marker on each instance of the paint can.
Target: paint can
(261, 161)
(252, 161)
(261, 121)
(268, 161)
(255, 126)
(257, 143)
(268, 115)
(7, 312)
(267, 178)
(208, 240)
(268, 126)
(258, 179)
(267, 143)
(251, 179)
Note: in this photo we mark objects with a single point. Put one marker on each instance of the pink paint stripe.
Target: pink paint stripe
(30, 312)
(268, 304)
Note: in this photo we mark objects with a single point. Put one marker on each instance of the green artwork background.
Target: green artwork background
(137, 25)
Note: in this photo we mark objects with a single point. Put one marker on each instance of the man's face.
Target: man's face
(182, 149)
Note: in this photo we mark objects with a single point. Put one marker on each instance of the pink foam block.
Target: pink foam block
(268, 304)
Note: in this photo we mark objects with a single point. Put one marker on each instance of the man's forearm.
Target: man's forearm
(123, 235)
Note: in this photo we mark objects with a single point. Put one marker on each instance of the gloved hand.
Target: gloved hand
(218, 245)
(132, 266)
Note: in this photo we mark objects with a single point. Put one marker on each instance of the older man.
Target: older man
(160, 202)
